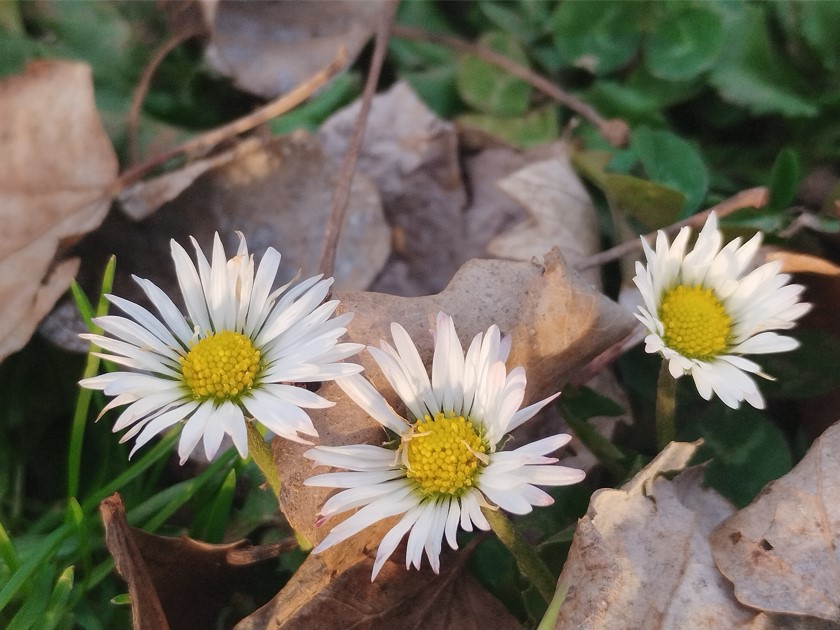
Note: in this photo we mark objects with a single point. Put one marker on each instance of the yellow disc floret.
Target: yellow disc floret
(695, 321)
(444, 455)
(222, 365)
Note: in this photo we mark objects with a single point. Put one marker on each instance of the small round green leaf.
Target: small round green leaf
(673, 162)
(597, 36)
(684, 44)
(490, 89)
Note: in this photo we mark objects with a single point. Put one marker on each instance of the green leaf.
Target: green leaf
(684, 43)
(579, 405)
(535, 127)
(784, 179)
(490, 89)
(750, 74)
(410, 55)
(808, 371)
(747, 451)
(650, 204)
(671, 161)
(437, 88)
(525, 20)
(597, 36)
(817, 23)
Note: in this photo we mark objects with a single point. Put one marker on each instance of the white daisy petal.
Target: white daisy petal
(464, 410)
(242, 350)
(703, 313)
(393, 537)
(366, 396)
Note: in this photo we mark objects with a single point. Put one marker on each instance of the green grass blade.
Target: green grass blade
(146, 461)
(36, 601)
(82, 410)
(57, 607)
(7, 550)
(31, 564)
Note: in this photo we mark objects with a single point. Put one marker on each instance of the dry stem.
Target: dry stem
(341, 194)
(209, 139)
(615, 131)
(750, 198)
(139, 93)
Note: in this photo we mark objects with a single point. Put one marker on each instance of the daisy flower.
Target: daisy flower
(703, 314)
(235, 355)
(445, 462)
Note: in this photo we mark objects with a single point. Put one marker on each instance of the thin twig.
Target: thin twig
(139, 93)
(615, 131)
(213, 137)
(750, 198)
(341, 194)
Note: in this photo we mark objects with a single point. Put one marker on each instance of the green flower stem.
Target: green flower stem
(263, 458)
(549, 620)
(666, 404)
(526, 556)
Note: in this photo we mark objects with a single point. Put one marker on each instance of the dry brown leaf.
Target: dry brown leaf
(141, 200)
(277, 194)
(782, 552)
(412, 156)
(55, 169)
(177, 583)
(562, 214)
(490, 211)
(397, 600)
(267, 48)
(641, 557)
(556, 322)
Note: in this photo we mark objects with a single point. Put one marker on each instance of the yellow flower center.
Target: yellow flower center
(696, 323)
(444, 455)
(222, 365)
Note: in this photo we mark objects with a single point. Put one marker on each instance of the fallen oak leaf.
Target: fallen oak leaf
(56, 170)
(177, 583)
(562, 214)
(640, 557)
(782, 552)
(398, 599)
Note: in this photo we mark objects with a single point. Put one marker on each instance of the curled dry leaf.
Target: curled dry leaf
(640, 557)
(55, 170)
(398, 599)
(782, 552)
(412, 156)
(177, 583)
(267, 48)
(562, 214)
(556, 322)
